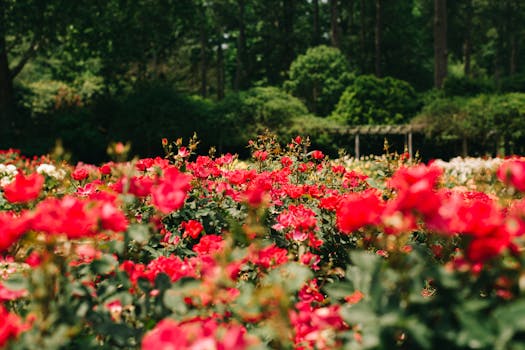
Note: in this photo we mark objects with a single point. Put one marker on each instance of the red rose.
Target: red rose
(358, 210)
(512, 172)
(192, 228)
(24, 189)
(170, 193)
(80, 174)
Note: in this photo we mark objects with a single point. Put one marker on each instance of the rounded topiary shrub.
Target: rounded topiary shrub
(241, 116)
(372, 100)
(319, 77)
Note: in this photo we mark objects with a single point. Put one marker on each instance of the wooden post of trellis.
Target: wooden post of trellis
(410, 152)
(358, 130)
(356, 148)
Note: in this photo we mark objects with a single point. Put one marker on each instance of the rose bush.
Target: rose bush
(289, 251)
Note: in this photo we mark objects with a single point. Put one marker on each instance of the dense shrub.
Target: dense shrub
(153, 111)
(373, 100)
(241, 116)
(49, 111)
(515, 83)
(465, 86)
(320, 131)
(319, 77)
(490, 122)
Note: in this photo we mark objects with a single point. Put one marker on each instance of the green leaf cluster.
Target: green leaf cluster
(319, 77)
(373, 100)
(486, 119)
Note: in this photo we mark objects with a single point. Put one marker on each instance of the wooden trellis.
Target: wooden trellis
(403, 129)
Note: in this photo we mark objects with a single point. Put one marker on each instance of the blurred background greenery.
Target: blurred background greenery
(93, 72)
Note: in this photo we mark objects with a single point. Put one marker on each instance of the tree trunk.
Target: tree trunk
(378, 37)
(335, 29)
(316, 33)
(220, 68)
(350, 20)
(204, 62)
(241, 47)
(6, 84)
(288, 37)
(362, 33)
(513, 54)
(467, 53)
(440, 42)
(513, 8)
(467, 44)
(499, 62)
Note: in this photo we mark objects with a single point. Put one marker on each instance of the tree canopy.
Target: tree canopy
(59, 54)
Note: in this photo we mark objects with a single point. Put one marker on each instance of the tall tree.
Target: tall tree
(515, 20)
(467, 43)
(335, 27)
(315, 21)
(220, 68)
(288, 32)
(241, 46)
(440, 42)
(6, 81)
(378, 37)
(204, 61)
(26, 28)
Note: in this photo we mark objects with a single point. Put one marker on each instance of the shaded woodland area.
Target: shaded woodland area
(92, 72)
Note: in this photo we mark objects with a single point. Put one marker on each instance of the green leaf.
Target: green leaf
(105, 265)
(339, 290)
(511, 315)
(360, 313)
(366, 261)
(364, 272)
(476, 332)
(174, 301)
(139, 233)
(120, 333)
(15, 282)
(291, 276)
(510, 320)
(162, 282)
(421, 333)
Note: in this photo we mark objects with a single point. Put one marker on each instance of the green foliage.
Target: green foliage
(486, 119)
(515, 83)
(155, 110)
(318, 130)
(319, 77)
(465, 86)
(241, 116)
(49, 96)
(372, 100)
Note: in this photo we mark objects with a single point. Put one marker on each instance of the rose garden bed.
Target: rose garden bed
(289, 251)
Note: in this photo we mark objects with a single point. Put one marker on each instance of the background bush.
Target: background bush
(466, 86)
(319, 77)
(242, 116)
(372, 100)
(153, 111)
(489, 123)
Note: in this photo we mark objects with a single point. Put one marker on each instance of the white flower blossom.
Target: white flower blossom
(51, 170)
(7, 174)
(464, 169)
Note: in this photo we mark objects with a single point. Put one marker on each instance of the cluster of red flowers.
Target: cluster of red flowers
(417, 200)
(10, 327)
(197, 334)
(299, 212)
